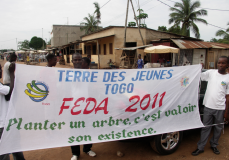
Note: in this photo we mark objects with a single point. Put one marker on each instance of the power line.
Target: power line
(165, 4)
(105, 4)
(214, 9)
(204, 8)
(145, 3)
(216, 26)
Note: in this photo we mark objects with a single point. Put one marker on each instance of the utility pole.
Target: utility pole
(124, 45)
(16, 43)
(67, 19)
(42, 39)
(137, 22)
(139, 12)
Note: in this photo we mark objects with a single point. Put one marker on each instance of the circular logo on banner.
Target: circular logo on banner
(37, 91)
(184, 81)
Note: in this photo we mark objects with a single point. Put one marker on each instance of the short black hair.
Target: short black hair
(87, 60)
(225, 58)
(77, 54)
(50, 56)
(12, 55)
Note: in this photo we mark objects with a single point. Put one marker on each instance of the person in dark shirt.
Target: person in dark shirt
(140, 62)
(52, 60)
(85, 63)
(81, 63)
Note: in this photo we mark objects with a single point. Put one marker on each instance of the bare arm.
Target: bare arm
(11, 70)
(226, 114)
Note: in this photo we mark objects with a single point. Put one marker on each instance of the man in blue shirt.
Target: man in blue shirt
(140, 62)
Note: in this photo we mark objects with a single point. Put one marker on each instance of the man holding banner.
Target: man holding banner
(78, 63)
(4, 105)
(216, 95)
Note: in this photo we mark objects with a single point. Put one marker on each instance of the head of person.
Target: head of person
(223, 63)
(77, 60)
(85, 63)
(13, 57)
(52, 60)
(139, 56)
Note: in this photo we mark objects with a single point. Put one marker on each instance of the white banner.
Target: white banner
(54, 107)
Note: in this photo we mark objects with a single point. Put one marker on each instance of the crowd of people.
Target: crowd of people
(216, 101)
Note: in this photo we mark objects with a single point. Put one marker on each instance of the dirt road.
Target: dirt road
(136, 150)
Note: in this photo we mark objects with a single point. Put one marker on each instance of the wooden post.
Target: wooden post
(124, 45)
(98, 54)
(137, 22)
(139, 12)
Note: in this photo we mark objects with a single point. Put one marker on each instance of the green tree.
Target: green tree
(213, 40)
(98, 13)
(90, 24)
(185, 14)
(131, 24)
(223, 33)
(162, 28)
(175, 29)
(23, 44)
(37, 43)
(141, 16)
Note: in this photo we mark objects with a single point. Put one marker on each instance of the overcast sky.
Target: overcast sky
(23, 19)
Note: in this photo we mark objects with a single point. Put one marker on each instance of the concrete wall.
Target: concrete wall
(63, 34)
(199, 56)
(132, 35)
(213, 55)
(104, 33)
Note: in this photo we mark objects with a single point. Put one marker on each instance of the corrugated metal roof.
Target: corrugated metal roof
(133, 48)
(190, 44)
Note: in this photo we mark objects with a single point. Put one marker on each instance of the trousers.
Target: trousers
(210, 116)
(17, 155)
(76, 149)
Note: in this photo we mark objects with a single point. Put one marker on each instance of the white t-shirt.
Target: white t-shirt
(4, 105)
(6, 73)
(217, 89)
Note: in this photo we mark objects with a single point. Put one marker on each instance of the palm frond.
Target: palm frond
(195, 30)
(194, 6)
(179, 5)
(227, 30)
(221, 33)
(176, 10)
(200, 20)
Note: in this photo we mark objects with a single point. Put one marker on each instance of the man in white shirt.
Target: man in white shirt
(216, 95)
(5, 90)
(6, 76)
(77, 62)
